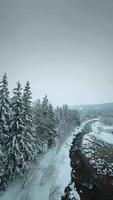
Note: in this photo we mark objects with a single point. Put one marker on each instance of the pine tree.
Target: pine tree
(52, 126)
(38, 119)
(16, 145)
(45, 106)
(4, 129)
(49, 126)
(38, 115)
(45, 120)
(4, 111)
(28, 116)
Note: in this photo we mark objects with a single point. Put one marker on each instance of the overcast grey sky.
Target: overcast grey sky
(64, 47)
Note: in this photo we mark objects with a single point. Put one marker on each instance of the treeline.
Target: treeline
(67, 119)
(26, 129)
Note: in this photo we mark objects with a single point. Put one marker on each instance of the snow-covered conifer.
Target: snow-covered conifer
(49, 126)
(16, 146)
(45, 119)
(52, 126)
(4, 110)
(28, 117)
(38, 119)
(4, 129)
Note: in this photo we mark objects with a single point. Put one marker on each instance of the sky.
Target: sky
(63, 47)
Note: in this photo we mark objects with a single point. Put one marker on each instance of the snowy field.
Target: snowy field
(101, 132)
(98, 148)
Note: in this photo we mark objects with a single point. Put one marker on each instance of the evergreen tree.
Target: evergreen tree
(4, 111)
(45, 106)
(38, 115)
(38, 119)
(48, 117)
(28, 117)
(16, 145)
(4, 129)
(44, 120)
(52, 126)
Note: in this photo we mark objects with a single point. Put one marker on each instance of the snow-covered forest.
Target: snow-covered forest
(28, 129)
(56, 100)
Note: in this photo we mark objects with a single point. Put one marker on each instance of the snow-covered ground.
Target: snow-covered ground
(73, 193)
(48, 179)
(103, 132)
(98, 148)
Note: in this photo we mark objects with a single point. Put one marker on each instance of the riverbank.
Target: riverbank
(89, 184)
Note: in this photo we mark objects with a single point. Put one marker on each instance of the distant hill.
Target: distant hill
(103, 106)
(96, 110)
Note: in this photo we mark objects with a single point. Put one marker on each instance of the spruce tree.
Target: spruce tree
(28, 117)
(4, 111)
(45, 120)
(45, 106)
(48, 121)
(4, 129)
(16, 145)
(38, 119)
(52, 126)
